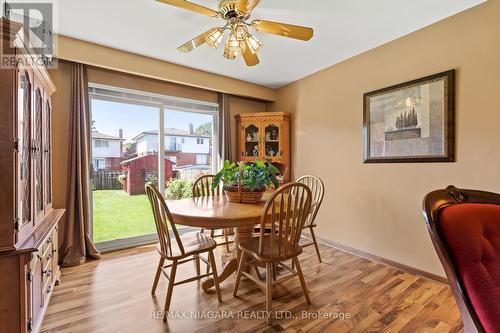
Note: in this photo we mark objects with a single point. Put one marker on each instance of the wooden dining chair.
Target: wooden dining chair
(285, 212)
(178, 249)
(317, 188)
(202, 187)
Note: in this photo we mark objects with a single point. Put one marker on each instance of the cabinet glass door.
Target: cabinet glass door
(47, 152)
(37, 149)
(272, 141)
(23, 213)
(251, 139)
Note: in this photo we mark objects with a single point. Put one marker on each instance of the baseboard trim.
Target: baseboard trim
(405, 268)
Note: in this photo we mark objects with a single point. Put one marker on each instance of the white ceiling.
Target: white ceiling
(343, 28)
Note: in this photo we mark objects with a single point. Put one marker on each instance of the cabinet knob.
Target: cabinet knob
(49, 289)
(49, 240)
(49, 256)
(47, 272)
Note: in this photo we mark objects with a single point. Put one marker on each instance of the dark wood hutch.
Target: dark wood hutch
(28, 224)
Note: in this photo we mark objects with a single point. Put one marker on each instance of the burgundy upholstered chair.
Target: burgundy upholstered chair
(465, 228)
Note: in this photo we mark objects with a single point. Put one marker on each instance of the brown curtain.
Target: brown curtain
(76, 245)
(225, 145)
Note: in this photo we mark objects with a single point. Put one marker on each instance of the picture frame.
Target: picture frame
(411, 122)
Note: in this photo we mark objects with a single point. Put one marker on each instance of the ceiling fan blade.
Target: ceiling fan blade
(283, 29)
(251, 59)
(246, 6)
(195, 42)
(191, 6)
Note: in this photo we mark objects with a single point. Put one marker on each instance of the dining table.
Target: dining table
(217, 212)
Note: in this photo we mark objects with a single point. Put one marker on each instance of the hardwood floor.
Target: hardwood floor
(113, 295)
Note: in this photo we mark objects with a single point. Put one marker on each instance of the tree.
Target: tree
(129, 149)
(204, 129)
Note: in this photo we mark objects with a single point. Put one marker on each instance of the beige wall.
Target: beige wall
(377, 208)
(134, 82)
(61, 105)
(60, 132)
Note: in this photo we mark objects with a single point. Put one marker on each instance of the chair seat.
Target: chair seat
(472, 234)
(251, 246)
(193, 242)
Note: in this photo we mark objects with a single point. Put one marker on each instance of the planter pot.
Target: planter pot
(234, 194)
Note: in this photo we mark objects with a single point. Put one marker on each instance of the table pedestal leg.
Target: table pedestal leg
(242, 233)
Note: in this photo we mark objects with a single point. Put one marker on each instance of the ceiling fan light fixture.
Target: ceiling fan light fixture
(215, 38)
(254, 44)
(228, 53)
(240, 32)
(236, 14)
(235, 46)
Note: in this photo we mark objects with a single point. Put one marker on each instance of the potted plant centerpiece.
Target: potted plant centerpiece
(246, 182)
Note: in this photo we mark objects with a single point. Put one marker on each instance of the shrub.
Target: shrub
(151, 179)
(179, 189)
(121, 179)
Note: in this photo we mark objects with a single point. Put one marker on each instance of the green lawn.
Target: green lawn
(118, 215)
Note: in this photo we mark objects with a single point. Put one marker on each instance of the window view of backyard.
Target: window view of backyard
(125, 157)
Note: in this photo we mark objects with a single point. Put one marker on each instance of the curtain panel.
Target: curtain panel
(76, 245)
(224, 134)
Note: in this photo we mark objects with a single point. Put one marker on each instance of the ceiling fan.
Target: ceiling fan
(240, 42)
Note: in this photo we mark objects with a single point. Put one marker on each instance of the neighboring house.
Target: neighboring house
(183, 148)
(106, 151)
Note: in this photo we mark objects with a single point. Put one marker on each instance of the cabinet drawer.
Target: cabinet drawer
(47, 276)
(55, 247)
(47, 260)
(47, 244)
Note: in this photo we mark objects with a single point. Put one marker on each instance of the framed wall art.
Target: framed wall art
(411, 122)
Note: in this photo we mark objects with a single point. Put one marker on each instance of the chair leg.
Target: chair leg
(197, 264)
(241, 264)
(226, 239)
(208, 265)
(157, 276)
(214, 273)
(315, 243)
(170, 289)
(269, 290)
(302, 281)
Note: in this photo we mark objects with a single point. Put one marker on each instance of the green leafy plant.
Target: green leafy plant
(151, 179)
(179, 189)
(121, 179)
(253, 176)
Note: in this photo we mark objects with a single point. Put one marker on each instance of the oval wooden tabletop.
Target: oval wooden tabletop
(215, 212)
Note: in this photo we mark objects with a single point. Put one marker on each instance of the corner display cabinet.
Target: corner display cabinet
(28, 224)
(264, 136)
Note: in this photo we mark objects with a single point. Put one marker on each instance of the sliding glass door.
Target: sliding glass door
(189, 149)
(140, 138)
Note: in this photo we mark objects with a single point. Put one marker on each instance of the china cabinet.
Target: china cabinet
(28, 224)
(264, 136)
